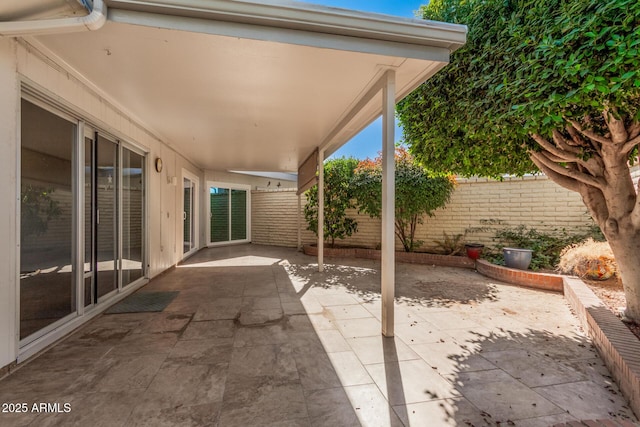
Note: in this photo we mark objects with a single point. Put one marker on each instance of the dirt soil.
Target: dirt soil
(612, 295)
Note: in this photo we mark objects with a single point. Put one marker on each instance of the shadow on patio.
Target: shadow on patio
(256, 336)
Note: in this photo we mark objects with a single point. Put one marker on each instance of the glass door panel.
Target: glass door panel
(187, 216)
(132, 216)
(238, 214)
(229, 221)
(89, 296)
(219, 221)
(47, 285)
(106, 216)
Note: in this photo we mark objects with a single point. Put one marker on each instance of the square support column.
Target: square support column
(388, 203)
(320, 210)
(299, 223)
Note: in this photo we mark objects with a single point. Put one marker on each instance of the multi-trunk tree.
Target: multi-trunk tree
(552, 85)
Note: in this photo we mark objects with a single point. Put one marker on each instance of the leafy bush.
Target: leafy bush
(590, 259)
(418, 193)
(338, 195)
(546, 246)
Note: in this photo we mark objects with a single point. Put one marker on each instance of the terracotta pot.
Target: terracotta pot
(474, 250)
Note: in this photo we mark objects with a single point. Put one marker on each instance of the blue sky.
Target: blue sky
(368, 142)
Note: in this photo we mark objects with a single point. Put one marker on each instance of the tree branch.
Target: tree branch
(576, 138)
(634, 130)
(618, 131)
(562, 142)
(580, 141)
(630, 145)
(591, 135)
(558, 153)
(562, 180)
(578, 176)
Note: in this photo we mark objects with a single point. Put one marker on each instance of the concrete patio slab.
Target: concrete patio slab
(258, 337)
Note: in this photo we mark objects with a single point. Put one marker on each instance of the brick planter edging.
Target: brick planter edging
(617, 345)
(408, 257)
(530, 279)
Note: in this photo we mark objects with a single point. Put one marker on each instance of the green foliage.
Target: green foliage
(529, 66)
(37, 208)
(450, 245)
(418, 193)
(546, 246)
(338, 195)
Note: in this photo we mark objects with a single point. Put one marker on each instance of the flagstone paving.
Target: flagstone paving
(258, 337)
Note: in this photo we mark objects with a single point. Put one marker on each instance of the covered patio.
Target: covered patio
(257, 336)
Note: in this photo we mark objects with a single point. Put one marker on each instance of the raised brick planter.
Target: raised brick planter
(530, 279)
(408, 257)
(617, 345)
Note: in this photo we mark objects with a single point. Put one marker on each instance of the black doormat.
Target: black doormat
(141, 302)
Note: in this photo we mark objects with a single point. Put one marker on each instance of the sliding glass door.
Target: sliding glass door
(82, 210)
(133, 212)
(47, 273)
(229, 213)
(106, 205)
(189, 213)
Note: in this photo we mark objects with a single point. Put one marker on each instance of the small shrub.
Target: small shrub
(588, 259)
(450, 245)
(546, 246)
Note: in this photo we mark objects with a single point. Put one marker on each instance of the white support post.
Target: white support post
(299, 222)
(321, 210)
(388, 203)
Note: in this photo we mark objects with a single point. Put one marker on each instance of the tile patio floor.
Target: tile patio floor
(257, 337)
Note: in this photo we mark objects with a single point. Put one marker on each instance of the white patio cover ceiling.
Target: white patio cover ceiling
(238, 85)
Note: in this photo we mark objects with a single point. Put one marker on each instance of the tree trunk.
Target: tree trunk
(625, 245)
(593, 161)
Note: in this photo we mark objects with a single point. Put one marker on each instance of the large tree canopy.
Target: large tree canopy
(552, 85)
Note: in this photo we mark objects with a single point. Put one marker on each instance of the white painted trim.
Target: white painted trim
(78, 192)
(321, 210)
(305, 17)
(365, 99)
(91, 22)
(119, 213)
(324, 40)
(195, 210)
(387, 271)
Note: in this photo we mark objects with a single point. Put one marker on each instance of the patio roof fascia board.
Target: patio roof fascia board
(280, 35)
(331, 144)
(309, 17)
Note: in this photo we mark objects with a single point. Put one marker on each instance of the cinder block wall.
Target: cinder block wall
(274, 218)
(533, 201)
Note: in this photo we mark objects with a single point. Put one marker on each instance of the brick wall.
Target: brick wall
(274, 216)
(533, 201)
